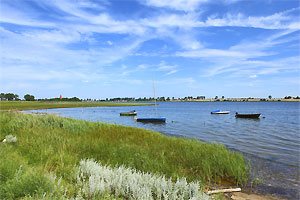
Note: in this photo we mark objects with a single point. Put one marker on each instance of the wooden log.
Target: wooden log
(224, 190)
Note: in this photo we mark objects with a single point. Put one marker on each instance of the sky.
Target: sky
(103, 49)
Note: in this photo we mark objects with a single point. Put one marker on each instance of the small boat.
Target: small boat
(249, 115)
(130, 113)
(156, 120)
(219, 112)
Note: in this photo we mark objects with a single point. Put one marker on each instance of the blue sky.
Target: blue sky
(98, 49)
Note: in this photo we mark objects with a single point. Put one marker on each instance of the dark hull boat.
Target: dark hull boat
(253, 116)
(153, 120)
(130, 113)
(156, 120)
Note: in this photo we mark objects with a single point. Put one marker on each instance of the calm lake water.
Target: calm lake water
(271, 143)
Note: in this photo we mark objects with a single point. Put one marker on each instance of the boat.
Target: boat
(219, 112)
(156, 120)
(130, 113)
(247, 115)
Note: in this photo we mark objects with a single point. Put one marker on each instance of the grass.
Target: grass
(31, 105)
(51, 144)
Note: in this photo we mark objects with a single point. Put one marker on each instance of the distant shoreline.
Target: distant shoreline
(35, 105)
(239, 100)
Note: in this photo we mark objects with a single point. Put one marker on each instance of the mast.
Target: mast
(154, 98)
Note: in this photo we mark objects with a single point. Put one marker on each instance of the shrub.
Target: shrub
(10, 139)
(95, 179)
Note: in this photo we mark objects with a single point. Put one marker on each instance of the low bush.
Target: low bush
(95, 179)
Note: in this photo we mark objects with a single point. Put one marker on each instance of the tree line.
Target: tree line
(15, 97)
(29, 97)
(9, 97)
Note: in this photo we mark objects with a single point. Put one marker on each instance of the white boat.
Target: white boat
(130, 113)
(220, 112)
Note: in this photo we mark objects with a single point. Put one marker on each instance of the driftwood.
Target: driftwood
(224, 190)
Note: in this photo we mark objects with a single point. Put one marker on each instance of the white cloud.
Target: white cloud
(142, 66)
(53, 36)
(242, 68)
(42, 44)
(188, 20)
(29, 73)
(280, 20)
(245, 49)
(9, 14)
(276, 21)
(109, 42)
(211, 53)
(247, 57)
(167, 69)
(80, 20)
(80, 24)
(185, 5)
(43, 56)
(163, 67)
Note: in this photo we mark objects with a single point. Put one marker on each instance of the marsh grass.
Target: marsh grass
(17, 178)
(31, 105)
(51, 144)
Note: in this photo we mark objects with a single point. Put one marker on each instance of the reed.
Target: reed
(51, 144)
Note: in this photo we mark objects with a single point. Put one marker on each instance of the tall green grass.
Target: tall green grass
(30, 105)
(54, 144)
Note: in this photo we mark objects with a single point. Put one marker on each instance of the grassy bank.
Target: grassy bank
(50, 144)
(31, 105)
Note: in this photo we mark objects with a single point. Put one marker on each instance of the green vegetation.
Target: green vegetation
(30, 105)
(29, 97)
(9, 96)
(48, 144)
(128, 183)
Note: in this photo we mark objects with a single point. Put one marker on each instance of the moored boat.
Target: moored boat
(130, 113)
(220, 112)
(158, 120)
(154, 120)
(247, 115)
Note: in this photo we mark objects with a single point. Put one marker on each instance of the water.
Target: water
(271, 143)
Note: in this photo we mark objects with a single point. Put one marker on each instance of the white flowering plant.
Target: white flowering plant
(10, 139)
(95, 179)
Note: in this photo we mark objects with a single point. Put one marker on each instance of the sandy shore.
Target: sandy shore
(245, 196)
